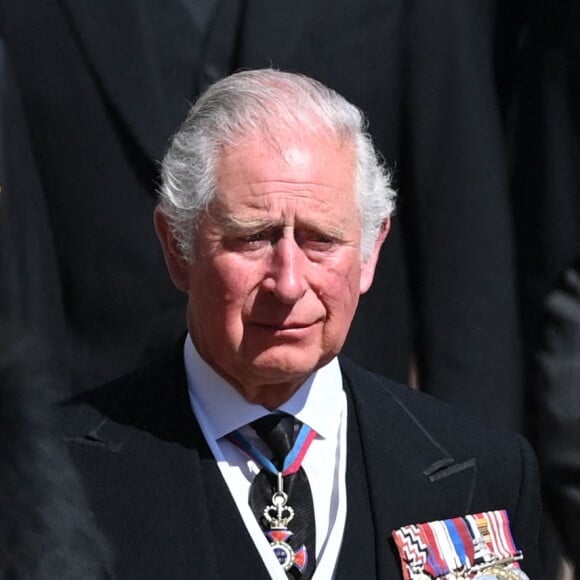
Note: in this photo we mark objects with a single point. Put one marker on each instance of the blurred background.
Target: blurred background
(474, 104)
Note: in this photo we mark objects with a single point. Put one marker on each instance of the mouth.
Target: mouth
(285, 328)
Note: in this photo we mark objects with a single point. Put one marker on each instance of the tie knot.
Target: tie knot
(278, 432)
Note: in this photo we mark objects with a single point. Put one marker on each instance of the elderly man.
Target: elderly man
(251, 450)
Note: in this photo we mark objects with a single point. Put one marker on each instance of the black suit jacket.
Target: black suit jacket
(104, 85)
(159, 496)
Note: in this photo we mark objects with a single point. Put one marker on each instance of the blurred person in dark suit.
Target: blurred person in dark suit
(103, 86)
(545, 169)
(546, 150)
(47, 531)
(558, 404)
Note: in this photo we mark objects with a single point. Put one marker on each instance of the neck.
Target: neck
(269, 396)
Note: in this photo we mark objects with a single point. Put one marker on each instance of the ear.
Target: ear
(368, 268)
(177, 265)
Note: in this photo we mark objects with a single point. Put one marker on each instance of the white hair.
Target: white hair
(265, 102)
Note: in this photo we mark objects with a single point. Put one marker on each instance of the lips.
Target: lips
(285, 325)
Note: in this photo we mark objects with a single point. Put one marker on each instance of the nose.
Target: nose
(287, 279)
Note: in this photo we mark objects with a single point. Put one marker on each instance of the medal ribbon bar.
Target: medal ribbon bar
(478, 546)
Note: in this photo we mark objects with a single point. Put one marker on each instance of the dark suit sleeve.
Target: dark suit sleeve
(558, 391)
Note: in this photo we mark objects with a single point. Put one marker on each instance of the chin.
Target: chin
(280, 365)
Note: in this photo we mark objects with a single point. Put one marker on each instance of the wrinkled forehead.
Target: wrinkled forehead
(309, 170)
(290, 147)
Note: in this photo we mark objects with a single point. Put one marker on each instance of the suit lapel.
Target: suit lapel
(147, 425)
(411, 478)
(144, 66)
(357, 555)
(227, 542)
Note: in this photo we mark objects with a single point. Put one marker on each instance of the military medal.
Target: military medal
(279, 514)
(477, 546)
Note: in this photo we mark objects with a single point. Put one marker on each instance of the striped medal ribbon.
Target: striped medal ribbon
(478, 546)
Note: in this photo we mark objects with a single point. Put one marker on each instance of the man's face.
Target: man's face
(277, 272)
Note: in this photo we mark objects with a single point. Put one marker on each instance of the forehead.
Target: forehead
(295, 169)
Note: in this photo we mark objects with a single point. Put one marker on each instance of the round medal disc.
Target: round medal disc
(284, 553)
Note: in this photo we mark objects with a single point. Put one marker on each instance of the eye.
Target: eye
(250, 241)
(256, 237)
(316, 241)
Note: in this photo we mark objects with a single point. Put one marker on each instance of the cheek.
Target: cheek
(233, 285)
(339, 289)
(217, 299)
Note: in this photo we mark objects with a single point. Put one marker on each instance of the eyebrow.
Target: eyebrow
(232, 223)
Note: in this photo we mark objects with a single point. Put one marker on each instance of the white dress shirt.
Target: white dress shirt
(319, 403)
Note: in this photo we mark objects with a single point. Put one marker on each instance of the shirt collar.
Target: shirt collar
(317, 403)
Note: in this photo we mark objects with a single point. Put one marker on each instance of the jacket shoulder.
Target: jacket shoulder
(432, 413)
(138, 398)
